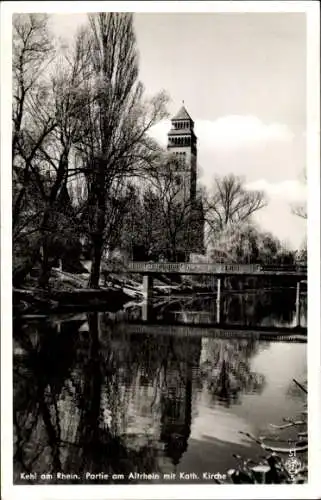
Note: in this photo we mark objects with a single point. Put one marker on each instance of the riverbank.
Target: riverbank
(67, 291)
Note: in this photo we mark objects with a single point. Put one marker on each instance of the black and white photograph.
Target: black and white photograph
(158, 213)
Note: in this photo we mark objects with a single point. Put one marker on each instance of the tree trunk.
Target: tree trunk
(46, 225)
(96, 261)
(45, 267)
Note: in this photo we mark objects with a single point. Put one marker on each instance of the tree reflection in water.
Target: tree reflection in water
(59, 422)
(90, 397)
(226, 369)
(37, 386)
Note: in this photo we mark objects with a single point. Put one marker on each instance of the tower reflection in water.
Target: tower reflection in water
(176, 402)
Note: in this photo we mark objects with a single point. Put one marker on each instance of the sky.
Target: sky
(242, 77)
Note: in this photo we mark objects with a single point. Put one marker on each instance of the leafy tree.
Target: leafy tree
(244, 243)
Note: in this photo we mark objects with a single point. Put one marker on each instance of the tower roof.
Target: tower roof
(182, 115)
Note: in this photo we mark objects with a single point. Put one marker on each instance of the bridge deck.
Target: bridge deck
(209, 269)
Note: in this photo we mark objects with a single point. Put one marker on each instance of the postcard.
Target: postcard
(160, 250)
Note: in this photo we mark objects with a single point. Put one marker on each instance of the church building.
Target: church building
(182, 142)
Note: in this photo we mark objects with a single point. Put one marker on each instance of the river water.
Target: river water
(94, 396)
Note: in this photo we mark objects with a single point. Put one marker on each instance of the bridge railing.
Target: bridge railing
(186, 267)
(203, 268)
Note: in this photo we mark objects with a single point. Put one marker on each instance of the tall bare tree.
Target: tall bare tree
(69, 101)
(32, 125)
(47, 126)
(116, 145)
(32, 119)
(231, 203)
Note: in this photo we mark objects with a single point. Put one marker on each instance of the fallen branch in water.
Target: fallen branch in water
(275, 449)
(289, 424)
(301, 386)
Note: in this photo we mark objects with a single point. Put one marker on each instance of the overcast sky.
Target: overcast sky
(242, 77)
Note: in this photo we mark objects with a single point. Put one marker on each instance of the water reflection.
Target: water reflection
(89, 396)
(227, 369)
(256, 307)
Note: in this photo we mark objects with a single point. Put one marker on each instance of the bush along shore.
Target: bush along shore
(284, 462)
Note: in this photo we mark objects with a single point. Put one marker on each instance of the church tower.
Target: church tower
(182, 142)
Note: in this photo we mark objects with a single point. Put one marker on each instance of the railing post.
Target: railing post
(297, 304)
(148, 292)
(218, 301)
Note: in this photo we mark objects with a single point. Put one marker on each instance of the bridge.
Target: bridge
(214, 269)
(150, 270)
